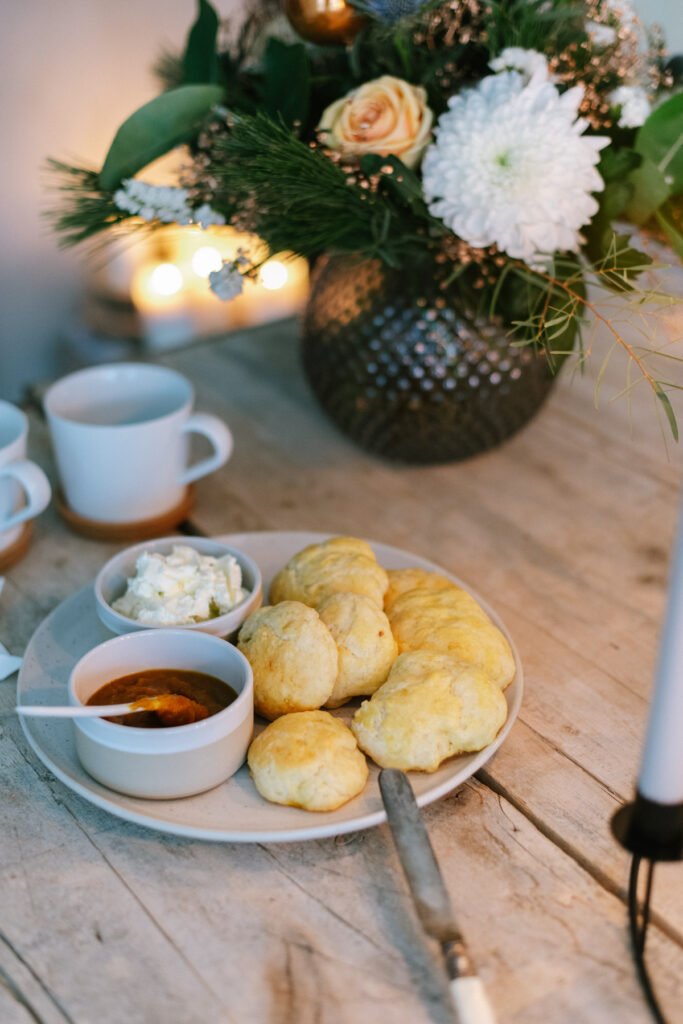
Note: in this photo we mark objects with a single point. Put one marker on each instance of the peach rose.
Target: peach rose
(387, 116)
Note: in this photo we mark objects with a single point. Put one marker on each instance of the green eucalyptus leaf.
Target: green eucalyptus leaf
(650, 190)
(287, 91)
(200, 60)
(156, 128)
(615, 164)
(661, 140)
(660, 175)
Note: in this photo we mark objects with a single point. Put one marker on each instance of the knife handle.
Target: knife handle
(471, 1003)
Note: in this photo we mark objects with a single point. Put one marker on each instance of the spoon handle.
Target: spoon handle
(75, 711)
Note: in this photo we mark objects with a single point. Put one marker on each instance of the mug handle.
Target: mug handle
(220, 437)
(35, 485)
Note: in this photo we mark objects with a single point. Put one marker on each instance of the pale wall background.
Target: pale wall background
(69, 73)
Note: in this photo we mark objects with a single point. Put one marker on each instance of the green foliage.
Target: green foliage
(390, 50)
(668, 408)
(168, 68)
(611, 254)
(200, 60)
(615, 166)
(650, 190)
(85, 210)
(661, 140)
(660, 175)
(543, 309)
(156, 128)
(401, 183)
(620, 263)
(287, 86)
(534, 24)
(300, 200)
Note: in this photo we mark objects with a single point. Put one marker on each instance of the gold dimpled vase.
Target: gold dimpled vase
(325, 22)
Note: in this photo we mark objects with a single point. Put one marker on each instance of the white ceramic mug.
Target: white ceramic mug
(121, 438)
(18, 477)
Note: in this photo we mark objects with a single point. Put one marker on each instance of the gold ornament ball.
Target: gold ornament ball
(325, 22)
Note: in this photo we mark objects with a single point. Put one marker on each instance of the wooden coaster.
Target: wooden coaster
(143, 529)
(15, 552)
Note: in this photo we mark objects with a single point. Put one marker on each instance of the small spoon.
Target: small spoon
(169, 703)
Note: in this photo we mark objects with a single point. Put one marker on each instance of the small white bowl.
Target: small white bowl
(111, 580)
(164, 763)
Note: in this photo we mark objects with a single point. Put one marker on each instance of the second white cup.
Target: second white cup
(19, 478)
(121, 438)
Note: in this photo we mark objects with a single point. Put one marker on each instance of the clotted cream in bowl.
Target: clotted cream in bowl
(194, 583)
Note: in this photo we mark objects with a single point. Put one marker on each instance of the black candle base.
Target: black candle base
(650, 830)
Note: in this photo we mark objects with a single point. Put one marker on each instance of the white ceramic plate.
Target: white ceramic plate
(233, 812)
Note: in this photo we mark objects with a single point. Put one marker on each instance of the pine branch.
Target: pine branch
(85, 209)
(298, 199)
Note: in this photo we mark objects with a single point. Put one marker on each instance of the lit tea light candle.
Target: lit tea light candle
(273, 275)
(157, 292)
(206, 260)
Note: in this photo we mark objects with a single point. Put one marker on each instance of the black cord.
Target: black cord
(638, 924)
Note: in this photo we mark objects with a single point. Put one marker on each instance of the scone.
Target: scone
(403, 580)
(338, 565)
(293, 657)
(365, 644)
(308, 759)
(451, 621)
(431, 707)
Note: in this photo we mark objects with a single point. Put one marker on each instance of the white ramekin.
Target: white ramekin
(110, 584)
(165, 763)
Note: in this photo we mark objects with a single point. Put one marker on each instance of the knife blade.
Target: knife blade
(430, 895)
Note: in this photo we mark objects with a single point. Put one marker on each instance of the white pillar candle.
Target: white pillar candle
(661, 772)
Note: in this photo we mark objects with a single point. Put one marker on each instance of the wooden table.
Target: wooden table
(566, 531)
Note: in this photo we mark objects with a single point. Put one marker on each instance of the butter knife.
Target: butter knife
(431, 898)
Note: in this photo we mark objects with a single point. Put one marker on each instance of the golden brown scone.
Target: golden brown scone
(431, 707)
(403, 580)
(292, 655)
(308, 759)
(338, 565)
(451, 621)
(365, 643)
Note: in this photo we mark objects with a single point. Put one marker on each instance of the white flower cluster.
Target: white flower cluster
(603, 34)
(529, 63)
(510, 166)
(634, 105)
(228, 282)
(163, 203)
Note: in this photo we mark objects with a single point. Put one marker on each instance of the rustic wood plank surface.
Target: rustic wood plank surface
(566, 531)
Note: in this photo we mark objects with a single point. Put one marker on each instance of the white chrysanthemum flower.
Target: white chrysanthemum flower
(634, 103)
(528, 62)
(164, 203)
(510, 166)
(227, 283)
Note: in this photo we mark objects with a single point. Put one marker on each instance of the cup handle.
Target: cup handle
(220, 437)
(35, 485)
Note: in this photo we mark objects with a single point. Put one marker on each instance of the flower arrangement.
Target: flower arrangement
(506, 145)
